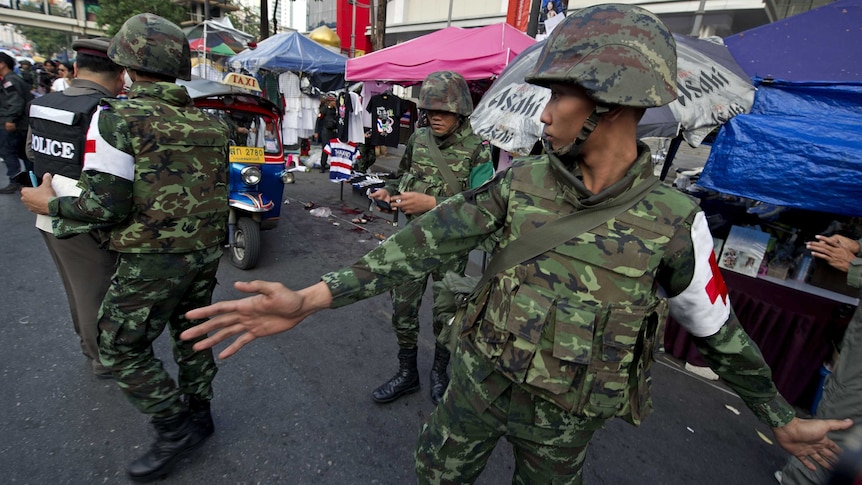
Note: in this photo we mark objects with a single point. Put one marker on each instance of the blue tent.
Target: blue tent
(801, 145)
(817, 45)
(290, 51)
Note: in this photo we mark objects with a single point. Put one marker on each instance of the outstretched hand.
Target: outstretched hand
(274, 309)
(806, 440)
(836, 250)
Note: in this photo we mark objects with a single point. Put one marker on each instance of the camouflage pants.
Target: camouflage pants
(149, 292)
(406, 300)
(481, 406)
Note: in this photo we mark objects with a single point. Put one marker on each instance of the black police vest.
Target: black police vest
(59, 126)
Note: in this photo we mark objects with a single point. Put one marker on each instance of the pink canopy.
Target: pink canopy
(479, 53)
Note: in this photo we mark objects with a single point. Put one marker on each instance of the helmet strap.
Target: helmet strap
(572, 149)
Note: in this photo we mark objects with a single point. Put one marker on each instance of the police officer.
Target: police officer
(55, 144)
(554, 346)
(14, 96)
(159, 189)
(419, 187)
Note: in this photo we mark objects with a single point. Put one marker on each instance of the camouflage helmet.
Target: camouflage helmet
(621, 54)
(446, 91)
(149, 43)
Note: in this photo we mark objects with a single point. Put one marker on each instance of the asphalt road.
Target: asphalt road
(295, 408)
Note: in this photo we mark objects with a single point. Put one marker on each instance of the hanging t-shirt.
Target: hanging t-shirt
(385, 112)
(341, 158)
(356, 133)
(343, 107)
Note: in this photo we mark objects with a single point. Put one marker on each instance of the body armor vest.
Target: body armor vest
(59, 126)
(577, 324)
(180, 181)
(460, 152)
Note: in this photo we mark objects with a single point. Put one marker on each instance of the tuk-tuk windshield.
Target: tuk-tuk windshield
(250, 129)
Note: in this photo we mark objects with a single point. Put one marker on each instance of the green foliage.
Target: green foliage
(47, 42)
(246, 19)
(113, 14)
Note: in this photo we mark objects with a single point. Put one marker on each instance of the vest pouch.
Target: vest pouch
(562, 360)
(640, 378)
(606, 387)
(452, 300)
(490, 336)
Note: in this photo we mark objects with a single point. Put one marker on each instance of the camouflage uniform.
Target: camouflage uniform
(463, 150)
(568, 327)
(554, 346)
(166, 221)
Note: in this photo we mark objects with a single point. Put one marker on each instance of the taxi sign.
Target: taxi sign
(246, 155)
(241, 81)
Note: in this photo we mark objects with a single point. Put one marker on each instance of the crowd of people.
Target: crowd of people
(550, 347)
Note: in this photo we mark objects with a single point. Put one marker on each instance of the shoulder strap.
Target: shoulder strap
(453, 186)
(561, 230)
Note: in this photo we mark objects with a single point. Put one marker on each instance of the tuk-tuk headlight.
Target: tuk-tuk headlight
(250, 175)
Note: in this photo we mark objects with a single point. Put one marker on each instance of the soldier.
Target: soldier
(55, 143)
(554, 346)
(420, 186)
(14, 96)
(159, 190)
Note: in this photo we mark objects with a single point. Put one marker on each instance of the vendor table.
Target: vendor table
(794, 328)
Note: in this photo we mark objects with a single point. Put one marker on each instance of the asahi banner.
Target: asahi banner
(509, 112)
(710, 87)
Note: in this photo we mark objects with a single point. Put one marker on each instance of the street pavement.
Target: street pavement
(295, 408)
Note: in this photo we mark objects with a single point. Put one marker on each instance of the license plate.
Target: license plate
(246, 155)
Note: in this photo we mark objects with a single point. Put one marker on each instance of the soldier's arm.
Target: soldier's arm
(699, 302)
(106, 179)
(446, 233)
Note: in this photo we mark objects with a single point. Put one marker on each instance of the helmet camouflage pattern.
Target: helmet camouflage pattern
(446, 91)
(621, 54)
(149, 43)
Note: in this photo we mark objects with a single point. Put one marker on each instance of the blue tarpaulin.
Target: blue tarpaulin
(818, 45)
(800, 147)
(290, 51)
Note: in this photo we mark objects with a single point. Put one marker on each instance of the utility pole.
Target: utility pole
(449, 20)
(533, 25)
(698, 19)
(264, 19)
(378, 37)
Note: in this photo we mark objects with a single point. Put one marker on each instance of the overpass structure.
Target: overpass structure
(76, 16)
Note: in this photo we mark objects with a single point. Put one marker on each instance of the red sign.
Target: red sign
(518, 14)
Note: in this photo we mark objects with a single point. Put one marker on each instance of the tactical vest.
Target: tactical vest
(59, 126)
(180, 182)
(577, 324)
(424, 176)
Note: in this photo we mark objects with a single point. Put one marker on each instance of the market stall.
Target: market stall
(789, 170)
(293, 70)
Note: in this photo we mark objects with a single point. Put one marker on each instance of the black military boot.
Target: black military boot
(439, 377)
(200, 409)
(404, 382)
(175, 436)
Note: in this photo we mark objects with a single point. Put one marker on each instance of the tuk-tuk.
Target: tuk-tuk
(258, 170)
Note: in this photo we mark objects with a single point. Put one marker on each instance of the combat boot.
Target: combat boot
(405, 381)
(175, 436)
(439, 377)
(201, 415)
